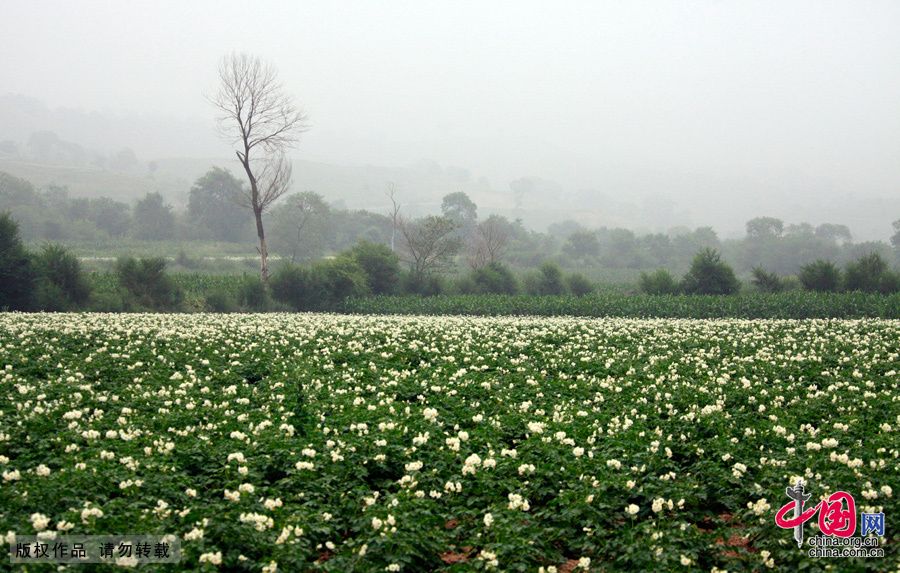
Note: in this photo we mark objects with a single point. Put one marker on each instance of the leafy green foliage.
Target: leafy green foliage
(870, 273)
(494, 278)
(252, 294)
(213, 202)
(320, 286)
(220, 300)
(61, 282)
(658, 282)
(579, 285)
(766, 281)
(16, 274)
(709, 274)
(820, 276)
(423, 285)
(381, 266)
(547, 281)
(154, 219)
(146, 283)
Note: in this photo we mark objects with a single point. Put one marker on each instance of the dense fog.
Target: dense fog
(643, 115)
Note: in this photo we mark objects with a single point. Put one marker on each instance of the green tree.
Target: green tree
(659, 282)
(147, 283)
(834, 232)
(380, 265)
(870, 274)
(16, 274)
(214, 203)
(60, 280)
(153, 218)
(709, 274)
(764, 228)
(109, 215)
(766, 281)
(579, 285)
(820, 276)
(582, 245)
(460, 209)
(548, 281)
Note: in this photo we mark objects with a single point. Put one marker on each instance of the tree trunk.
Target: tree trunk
(263, 251)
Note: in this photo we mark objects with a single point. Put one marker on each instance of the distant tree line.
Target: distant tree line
(710, 275)
(453, 245)
(51, 279)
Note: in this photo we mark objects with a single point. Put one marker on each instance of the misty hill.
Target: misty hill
(125, 156)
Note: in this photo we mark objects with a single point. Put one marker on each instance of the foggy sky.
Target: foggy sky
(753, 102)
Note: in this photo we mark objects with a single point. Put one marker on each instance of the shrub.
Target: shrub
(292, 285)
(495, 278)
(870, 274)
(320, 287)
(547, 281)
(220, 300)
(709, 274)
(466, 285)
(61, 282)
(424, 285)
(766, 281)
(340, 279)
(252, 293)
(16, 274)
(658, 283)
(579, 285)
(380, 265)
(820, 276)
(147, 283)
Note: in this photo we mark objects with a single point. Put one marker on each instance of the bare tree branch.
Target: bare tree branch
(488, 242)
(395, 214)
(429, 244)
(263, 122)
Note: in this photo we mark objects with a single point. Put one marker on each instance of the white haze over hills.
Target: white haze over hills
(647, 115)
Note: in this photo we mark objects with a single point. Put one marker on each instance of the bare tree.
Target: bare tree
(488, 242)
(395, 214)
(263, 122)
(430, 244)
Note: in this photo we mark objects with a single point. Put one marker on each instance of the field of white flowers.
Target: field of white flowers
(353, 443)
